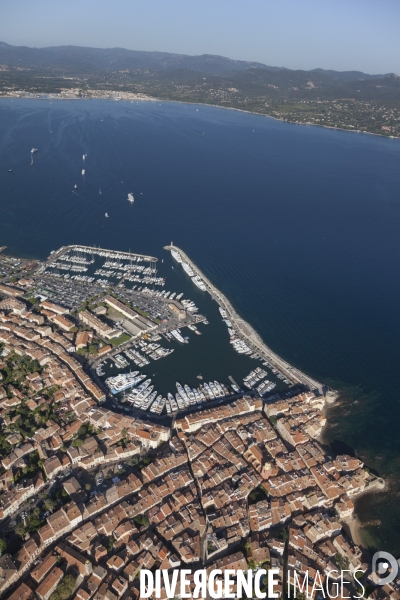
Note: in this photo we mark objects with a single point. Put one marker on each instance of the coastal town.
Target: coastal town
(91, 495)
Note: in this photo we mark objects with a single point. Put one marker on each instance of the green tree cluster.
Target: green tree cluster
(64, 588)
(141, 520)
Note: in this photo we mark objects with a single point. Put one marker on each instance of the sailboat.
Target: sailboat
(83, 171)
(75, 187)
(106, 215)
(131, 199)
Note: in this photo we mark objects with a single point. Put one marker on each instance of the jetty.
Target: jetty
(254, 340)
(93, 250)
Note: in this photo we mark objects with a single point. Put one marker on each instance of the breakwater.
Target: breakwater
(253, 339)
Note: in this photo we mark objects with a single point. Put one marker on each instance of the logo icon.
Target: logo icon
(381, 563)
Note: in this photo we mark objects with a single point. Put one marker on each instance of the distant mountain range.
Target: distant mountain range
(339, 99)
(79, 59)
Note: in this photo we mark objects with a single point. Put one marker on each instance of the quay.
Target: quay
(253, 339)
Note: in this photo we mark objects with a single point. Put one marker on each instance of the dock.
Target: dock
(254, 340)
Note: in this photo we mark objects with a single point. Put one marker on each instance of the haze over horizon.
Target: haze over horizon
(296, 34)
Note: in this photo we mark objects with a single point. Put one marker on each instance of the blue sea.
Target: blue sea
(298, 226)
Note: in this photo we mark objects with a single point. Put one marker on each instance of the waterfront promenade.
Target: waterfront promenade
(253, 339)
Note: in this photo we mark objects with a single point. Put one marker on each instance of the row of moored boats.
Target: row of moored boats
(197, 280)
(144, 397)
(255, 377)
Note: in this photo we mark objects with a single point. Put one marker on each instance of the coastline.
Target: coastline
(353, 525)
(250, 112)
(155, 99)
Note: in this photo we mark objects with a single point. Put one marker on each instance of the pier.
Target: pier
(253, 339)
(100, 251)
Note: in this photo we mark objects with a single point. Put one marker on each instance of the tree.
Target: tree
(64, 589)
(342, 561)
(284, 534)
(20, 529)
(82, 431)
(141, 520)
(49, 504)
(3, 546)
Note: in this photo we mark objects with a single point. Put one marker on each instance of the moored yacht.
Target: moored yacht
(188, 269)
(176, 256)
(119, 383)
(200, 283)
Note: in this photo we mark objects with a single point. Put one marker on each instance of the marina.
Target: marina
(123, 268)
(152, 390)
(164, 331)
(244, 338)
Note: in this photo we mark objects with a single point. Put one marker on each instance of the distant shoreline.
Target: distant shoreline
(249, 112)
(390, 137)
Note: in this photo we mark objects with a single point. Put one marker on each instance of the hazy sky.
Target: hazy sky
(298, 34)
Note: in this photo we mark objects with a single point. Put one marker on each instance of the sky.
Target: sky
(343, 35)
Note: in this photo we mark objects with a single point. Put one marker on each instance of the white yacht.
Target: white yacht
(124, 381)
(177, 336)
(188, 269)
(176, 256)
(200, 283)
